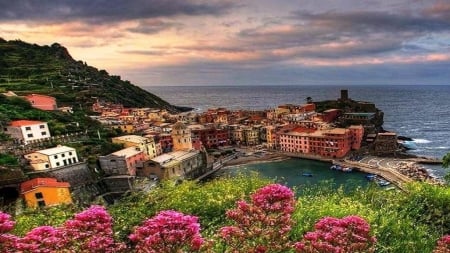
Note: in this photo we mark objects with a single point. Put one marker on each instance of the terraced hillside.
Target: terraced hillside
(29, 68)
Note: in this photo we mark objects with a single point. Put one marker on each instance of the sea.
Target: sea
(421, 112)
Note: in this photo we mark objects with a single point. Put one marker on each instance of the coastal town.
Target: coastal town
(159, 145)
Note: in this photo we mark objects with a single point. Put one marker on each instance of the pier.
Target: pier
(387, 173)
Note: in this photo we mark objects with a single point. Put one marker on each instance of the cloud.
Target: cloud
(106, 11)
(152, 26)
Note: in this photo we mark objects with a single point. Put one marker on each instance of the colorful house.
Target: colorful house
(332, 143)
(27, 131)
(122, 162)
(42, 102)
(178, 164)
(40, 192)
(52, 158)
(146, 144)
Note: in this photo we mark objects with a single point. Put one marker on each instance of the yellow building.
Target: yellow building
(146, 144)
(40, 192)
(126, 128)
(181, 136)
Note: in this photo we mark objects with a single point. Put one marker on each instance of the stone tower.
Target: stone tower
(181, 136)
(344, 95)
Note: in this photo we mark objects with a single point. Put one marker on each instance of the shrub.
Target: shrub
(347, 235)
(169, 231)
(264, 224)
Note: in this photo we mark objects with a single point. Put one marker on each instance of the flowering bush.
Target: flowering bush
(443, 245)
(7, 241)
(169, 231)
(91, 231)
(264, 224)
(42, 239)
(349, 234)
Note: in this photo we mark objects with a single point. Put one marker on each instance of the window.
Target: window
(39, 195)
(27, 128)
(29, 135)
(70, 153)
(47, 166)
(41, 126)
(57, 164)
(43, 133)
(41, 203)
(74, 159)
(63, 155)
(55, 156)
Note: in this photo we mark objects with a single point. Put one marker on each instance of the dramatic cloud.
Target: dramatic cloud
(106, 10)
(245, 42)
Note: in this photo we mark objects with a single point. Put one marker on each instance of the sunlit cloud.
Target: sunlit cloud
(147, 41)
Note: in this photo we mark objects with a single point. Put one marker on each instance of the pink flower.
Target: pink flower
(42, 239)
(6, 224)
(169, 231)
(264, 224)
(349, 234)
(7, 241)
(443, 245)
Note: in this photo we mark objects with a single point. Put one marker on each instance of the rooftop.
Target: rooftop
(24, 122)
(55, 150)
(127, 152)
(41, 182)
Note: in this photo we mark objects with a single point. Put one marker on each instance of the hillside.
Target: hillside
(29, 68)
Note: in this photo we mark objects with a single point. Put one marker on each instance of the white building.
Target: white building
(27, 131)
(52, 158)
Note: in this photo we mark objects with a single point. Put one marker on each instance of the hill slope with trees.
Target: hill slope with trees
(29, 68)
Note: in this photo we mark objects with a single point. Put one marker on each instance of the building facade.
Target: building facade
(178, 164)
(52, 158)
(122, 162)
(181, 137)
(40, 192)
(146, 144)
(28, 131)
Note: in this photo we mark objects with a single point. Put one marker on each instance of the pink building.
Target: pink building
(332, 143)
(42, 102)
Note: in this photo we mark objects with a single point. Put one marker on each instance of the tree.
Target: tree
(446, 161)
(309, 100)
(446, 164)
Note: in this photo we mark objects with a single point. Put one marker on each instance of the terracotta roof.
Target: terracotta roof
(41, 182)
(304, 130)
(24, 122)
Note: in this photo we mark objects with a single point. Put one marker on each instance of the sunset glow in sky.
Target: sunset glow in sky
(250, 42)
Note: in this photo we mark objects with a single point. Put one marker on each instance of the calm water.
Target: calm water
(291, 172)
(419, 112)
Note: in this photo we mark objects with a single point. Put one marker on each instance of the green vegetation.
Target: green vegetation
(30, 68)
(401, 222)
(8, 160)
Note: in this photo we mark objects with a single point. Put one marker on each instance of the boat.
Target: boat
(336, 167)
(347, 169)
(383, 182)
(371, 177)
(307, 174)
(408, 145)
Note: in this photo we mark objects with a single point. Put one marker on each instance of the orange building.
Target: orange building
(42, 102)
(39, 192)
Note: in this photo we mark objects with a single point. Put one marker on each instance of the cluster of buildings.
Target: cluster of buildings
(158, 145)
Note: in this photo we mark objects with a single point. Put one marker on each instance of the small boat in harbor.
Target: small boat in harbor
(383, 182)
(371, 177)
(307, 174)
(340, 168)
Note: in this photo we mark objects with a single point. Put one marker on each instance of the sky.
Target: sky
(248, 42)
